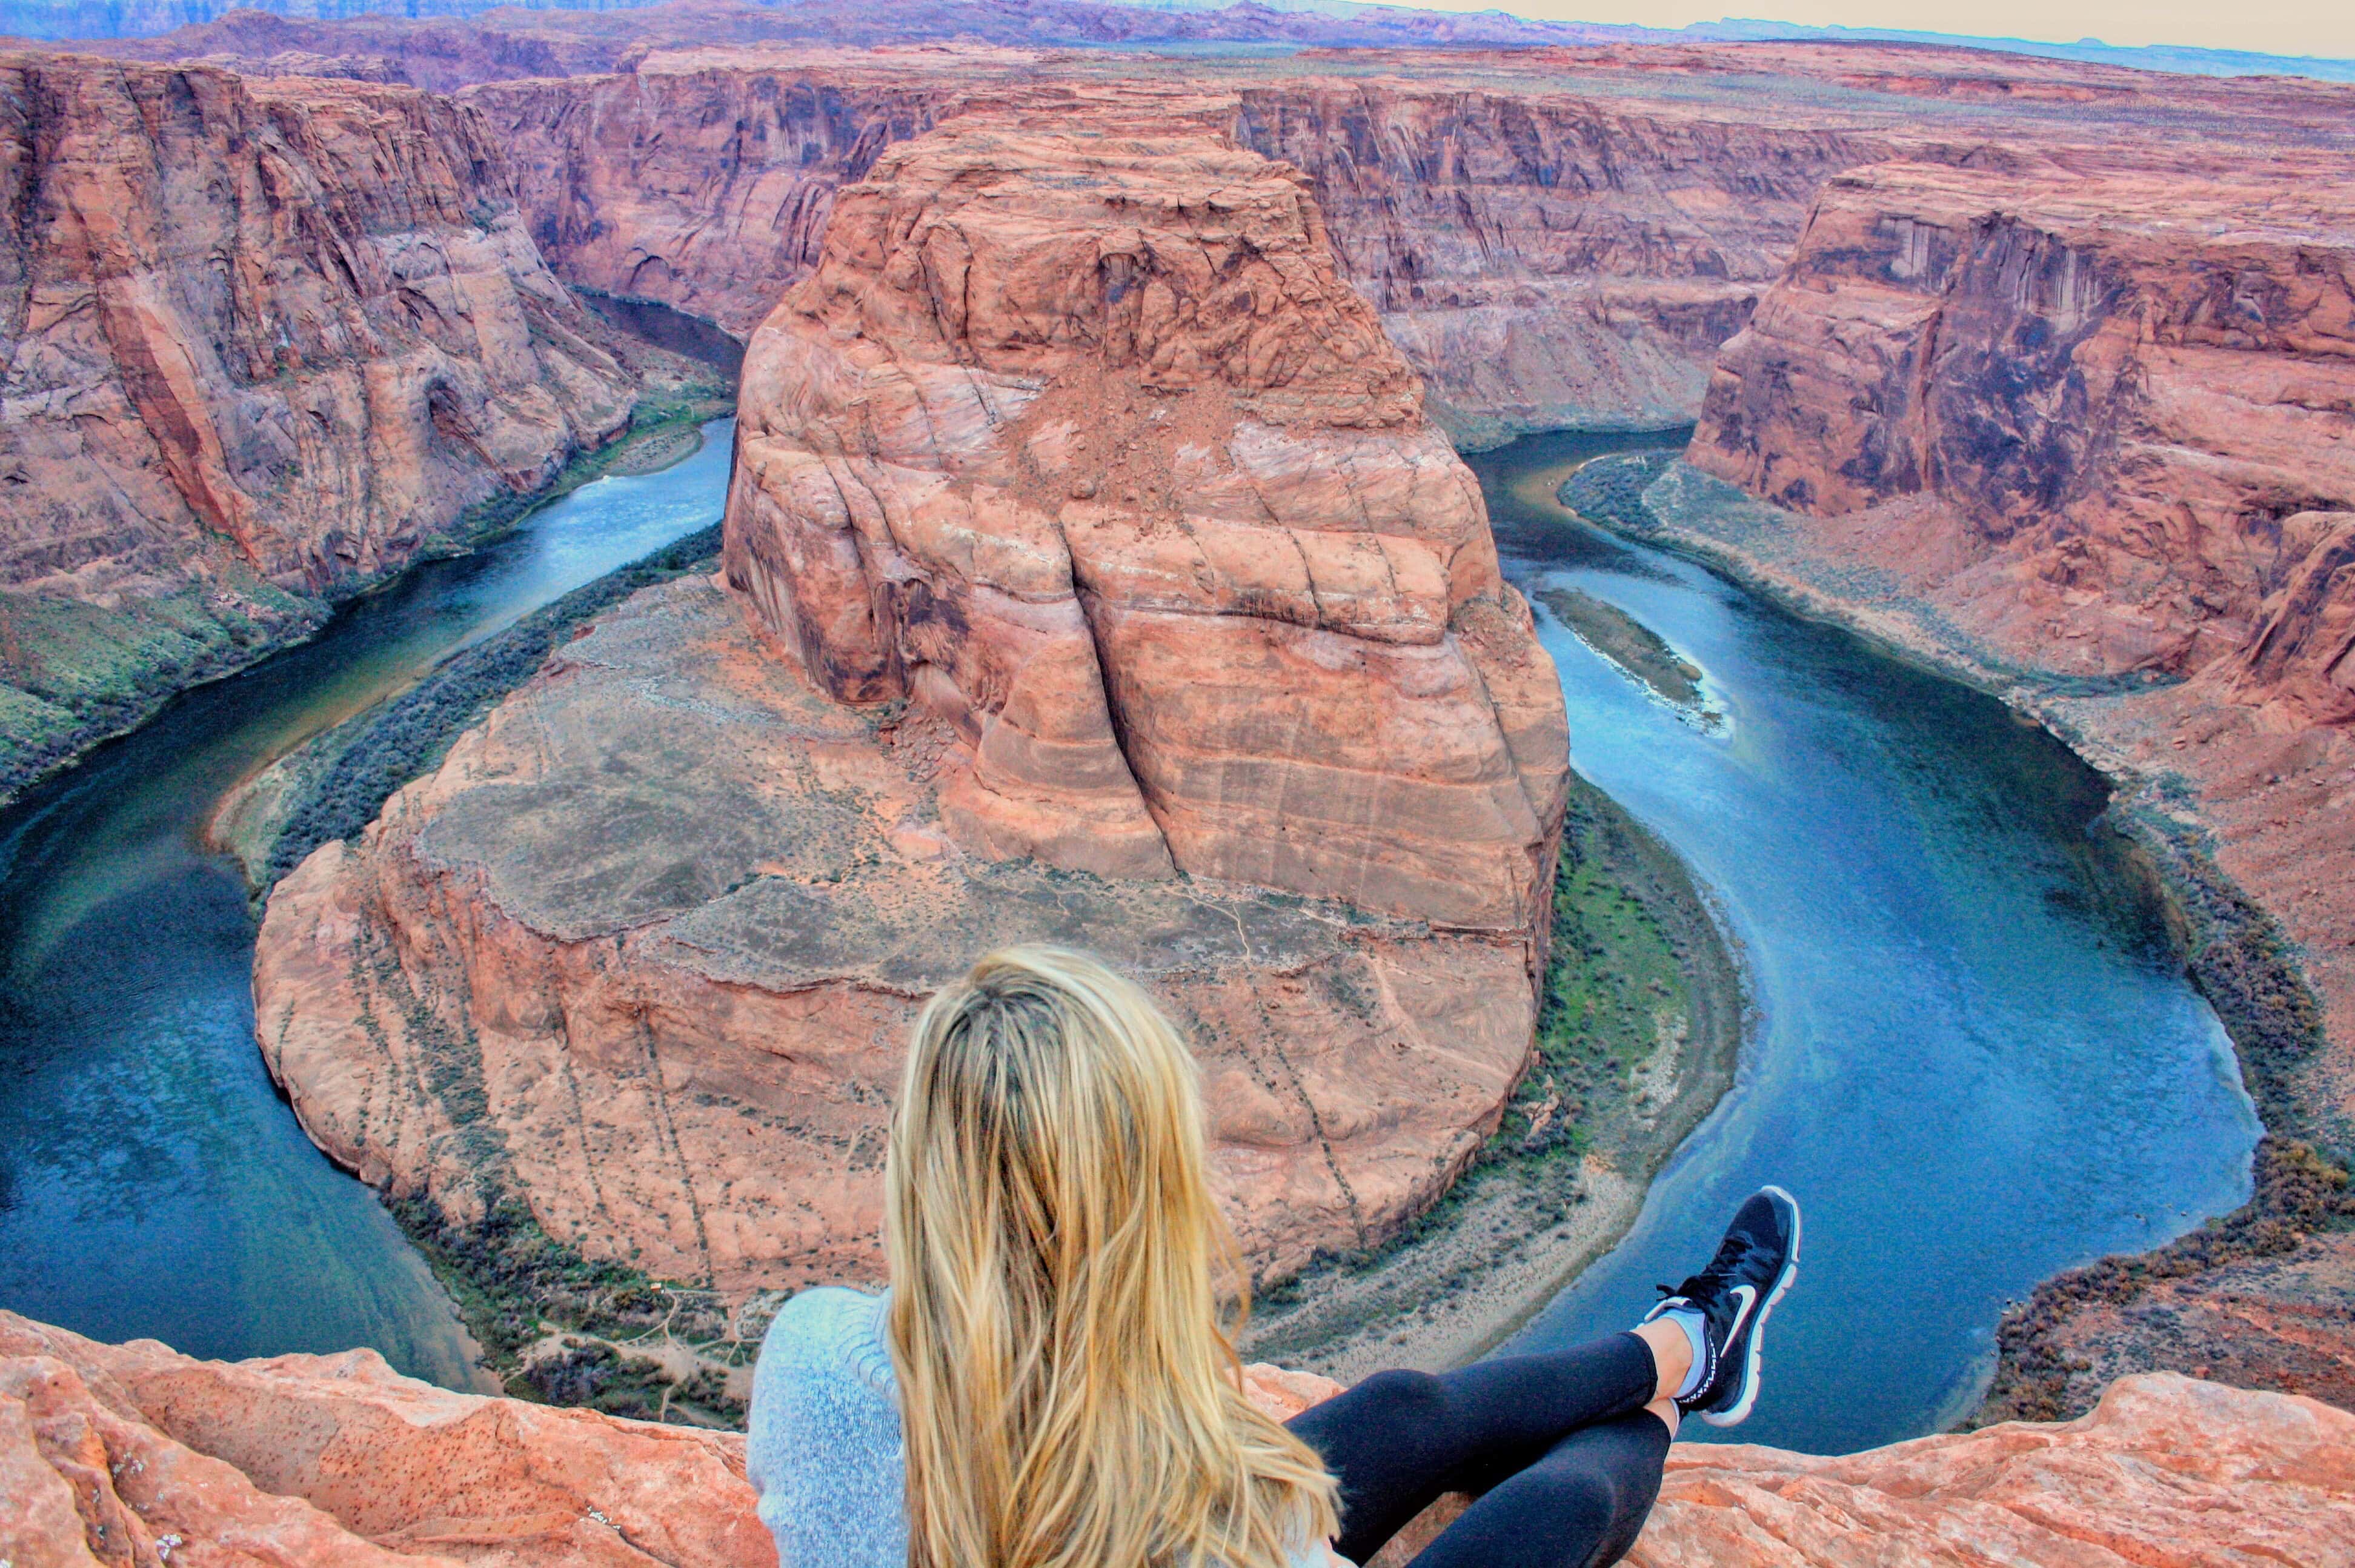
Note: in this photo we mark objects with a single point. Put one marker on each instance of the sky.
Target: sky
(2267, 27)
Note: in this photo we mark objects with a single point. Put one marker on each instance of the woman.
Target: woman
(1048, 1383)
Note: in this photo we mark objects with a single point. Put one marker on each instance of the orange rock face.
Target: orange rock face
(1080, 444)
(133, 1453)
(294, 327)
(2127, 408)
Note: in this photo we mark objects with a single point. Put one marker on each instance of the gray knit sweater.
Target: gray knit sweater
(825, 1449)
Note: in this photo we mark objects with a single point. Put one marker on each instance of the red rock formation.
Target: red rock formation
(1105, 540)
(133, 1453)
(702, 185)
(1547, 259)
(298, 321)
(1081, 445)
(2126, 398)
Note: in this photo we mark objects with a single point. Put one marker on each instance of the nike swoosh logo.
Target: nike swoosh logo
(1749, 1294)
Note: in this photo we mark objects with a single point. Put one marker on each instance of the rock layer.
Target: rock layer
(298, 321)
(1080, 445)
(1544, 259)
(2127, 410)
(133, 1453)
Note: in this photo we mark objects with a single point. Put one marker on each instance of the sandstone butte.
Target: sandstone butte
(1092, 574)
(133, 1453)
(264, 341)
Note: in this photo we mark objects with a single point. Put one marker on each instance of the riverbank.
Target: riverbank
(2265, 1290)
(1637, 1036)
(76, 674)
(332, 784)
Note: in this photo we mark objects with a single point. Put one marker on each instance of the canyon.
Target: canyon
(135, 1454)
(1097, 569)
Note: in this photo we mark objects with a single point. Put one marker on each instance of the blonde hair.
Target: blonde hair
(1068, 1395)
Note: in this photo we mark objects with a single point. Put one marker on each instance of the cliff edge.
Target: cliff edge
(133, 1453)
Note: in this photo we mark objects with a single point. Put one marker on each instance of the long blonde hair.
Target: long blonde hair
(1069, 1395)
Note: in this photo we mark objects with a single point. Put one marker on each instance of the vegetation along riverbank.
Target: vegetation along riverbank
(1638, 1030)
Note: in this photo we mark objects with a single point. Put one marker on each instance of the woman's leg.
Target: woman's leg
(1400, 1439)
(1578, 1506)
(1567, 1447)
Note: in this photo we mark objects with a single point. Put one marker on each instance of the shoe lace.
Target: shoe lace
(1711, 1279)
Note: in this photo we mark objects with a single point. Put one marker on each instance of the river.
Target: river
(1976, 1060)
(151, 1181)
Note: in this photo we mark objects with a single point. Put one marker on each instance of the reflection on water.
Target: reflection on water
(1977, 1061)
(151, 1180)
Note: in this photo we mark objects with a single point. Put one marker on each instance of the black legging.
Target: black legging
(1560, 1444)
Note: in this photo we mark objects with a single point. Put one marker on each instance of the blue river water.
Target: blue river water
(151, 1181)
(1974, 1060)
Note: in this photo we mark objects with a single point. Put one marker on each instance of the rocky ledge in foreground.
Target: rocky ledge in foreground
(133, 1453)
(1091, 575)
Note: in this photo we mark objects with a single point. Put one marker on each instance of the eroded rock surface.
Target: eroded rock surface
(133, 1453)
(107, 1452)
(643, 956)
(1080, 444)
(303, 318)
(264, 340)
(2126, 408)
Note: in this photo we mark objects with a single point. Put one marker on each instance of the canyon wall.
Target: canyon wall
(264, 341)
(1547, 259)
(1092, 574)
(2085, 431)
(1542, 258)
(134, 1453)
(700, 184)
(2127, 400)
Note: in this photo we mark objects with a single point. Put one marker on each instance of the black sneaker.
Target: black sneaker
(1754, 1265)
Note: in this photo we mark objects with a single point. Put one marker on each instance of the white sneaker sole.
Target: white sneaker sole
(1757, 1350)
